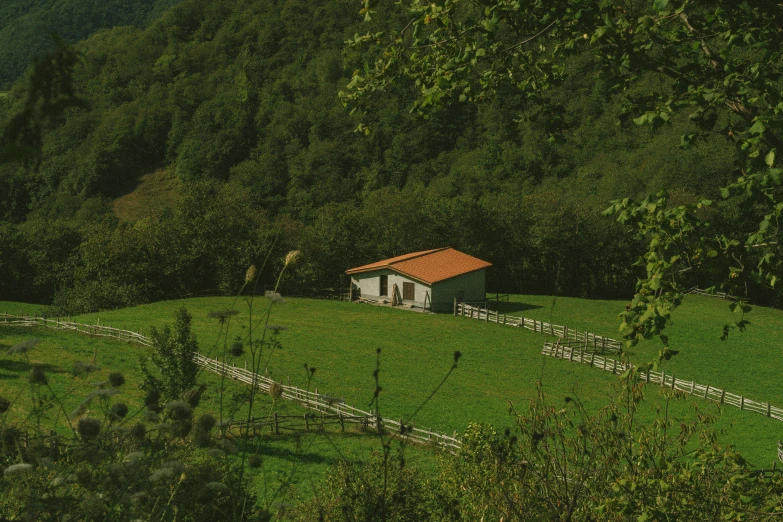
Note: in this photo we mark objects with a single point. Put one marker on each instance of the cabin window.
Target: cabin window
(408, 291)
(384, 285)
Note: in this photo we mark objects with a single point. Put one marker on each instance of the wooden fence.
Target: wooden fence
(598, 342)
(579, 355)
(331, 405)
(96, 330)
(698, 291)
(311, 400)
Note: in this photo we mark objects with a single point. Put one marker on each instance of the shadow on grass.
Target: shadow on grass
(269, 446)
(20, 367)
(508, 308)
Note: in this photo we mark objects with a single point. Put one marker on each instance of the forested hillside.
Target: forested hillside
(26, 26)
(240, 100)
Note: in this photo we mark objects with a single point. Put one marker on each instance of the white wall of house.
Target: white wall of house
(438, 298)
(368, 285)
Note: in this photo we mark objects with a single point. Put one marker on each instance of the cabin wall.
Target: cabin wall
(368, 284)
(471, 287)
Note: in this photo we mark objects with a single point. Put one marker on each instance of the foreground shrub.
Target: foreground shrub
(562, 463)
(380, 490)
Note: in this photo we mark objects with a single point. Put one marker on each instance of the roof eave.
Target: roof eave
(415, 278)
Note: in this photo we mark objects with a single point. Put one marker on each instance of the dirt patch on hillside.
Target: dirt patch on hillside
(154, 193)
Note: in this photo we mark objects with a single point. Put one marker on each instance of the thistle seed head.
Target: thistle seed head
(89, 428)
(275, 390)
(119, 410)
(292, 257)
(274, 296)
(250, 274)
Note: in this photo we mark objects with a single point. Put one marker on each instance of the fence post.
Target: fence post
(722, 394)
(673, 380)
(663, 377)
(706, 391)
(342, 424)
(769, 412)
(277, 426)
(742, 402)
(455, 307)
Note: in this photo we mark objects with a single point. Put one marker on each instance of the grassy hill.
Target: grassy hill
(500, 365)
(294, 465)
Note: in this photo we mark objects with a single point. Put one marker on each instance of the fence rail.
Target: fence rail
(571, 353)
(96, 330)
(698, 291)
(598, 342)
(311, 400)
(327, 404)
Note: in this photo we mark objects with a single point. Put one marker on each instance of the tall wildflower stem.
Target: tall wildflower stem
(252, 275)
(290, 259)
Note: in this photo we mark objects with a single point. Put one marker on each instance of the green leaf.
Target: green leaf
(660, 5)
(757, 128)
(770, 158)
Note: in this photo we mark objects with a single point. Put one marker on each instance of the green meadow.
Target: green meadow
(499, 367)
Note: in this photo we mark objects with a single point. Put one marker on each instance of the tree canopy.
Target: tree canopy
(714, 65)
(239, 102)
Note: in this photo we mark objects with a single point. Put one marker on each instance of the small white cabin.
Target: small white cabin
(430, 280)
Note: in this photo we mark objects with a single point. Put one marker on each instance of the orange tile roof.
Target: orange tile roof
(428, 266)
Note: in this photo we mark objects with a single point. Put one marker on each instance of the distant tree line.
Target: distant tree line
(240, 100)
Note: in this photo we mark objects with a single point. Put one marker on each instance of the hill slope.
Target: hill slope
(242, 98)
(25, 26)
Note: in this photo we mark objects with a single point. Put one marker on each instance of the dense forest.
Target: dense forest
(25, 26)
(234, 104)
